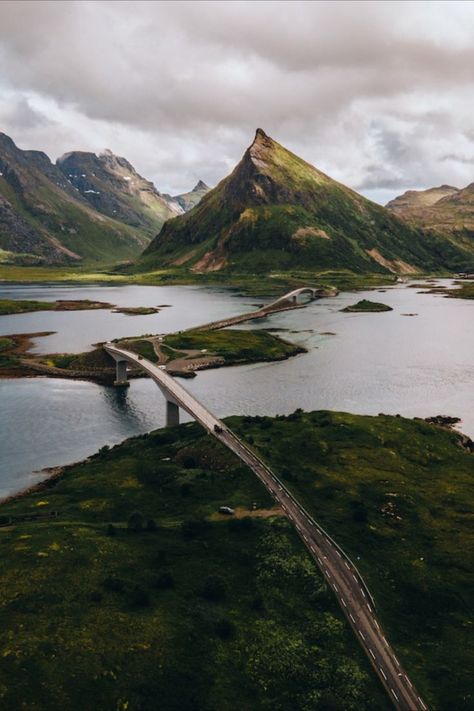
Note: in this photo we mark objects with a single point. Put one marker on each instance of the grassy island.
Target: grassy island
(123, 584)
(14, 306)
(365, 306)
(182, 354)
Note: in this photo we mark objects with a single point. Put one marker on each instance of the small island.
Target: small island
(137, 310)
(366, 306)
(14, 306)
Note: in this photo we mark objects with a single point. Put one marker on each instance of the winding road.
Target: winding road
(339, 571)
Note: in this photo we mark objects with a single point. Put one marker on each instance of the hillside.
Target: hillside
(113, 187)
(275, 211)
(445, 210)
(123, 583)
(44, 219)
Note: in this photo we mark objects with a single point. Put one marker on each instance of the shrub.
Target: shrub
(165, 581)
(113, 584)
(194, 527)
(225, 629)
(185, 489)
(151, 525)
(111, 530)
(139, 597)
(135, 522)
(215, 588)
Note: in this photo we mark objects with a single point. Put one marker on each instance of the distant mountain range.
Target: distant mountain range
(83, 209)
(277, 212)
(446, 211)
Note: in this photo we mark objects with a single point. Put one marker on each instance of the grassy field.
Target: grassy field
(398, 496)
(13, 306)
(235, 346)
(130, 592)
(366, 306)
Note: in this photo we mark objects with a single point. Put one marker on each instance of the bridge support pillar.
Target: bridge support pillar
(172, 414)
(294, 298)
(121, 373)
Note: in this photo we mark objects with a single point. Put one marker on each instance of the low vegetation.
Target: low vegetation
(235, 346)
(14, 306)
(365, 306)
(127, 587)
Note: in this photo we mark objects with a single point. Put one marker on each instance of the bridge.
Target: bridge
(340, 572)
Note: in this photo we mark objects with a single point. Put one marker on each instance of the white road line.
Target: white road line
(363, 593)
(370, 609)
(343, 602)
(313, 549)
(396, 660)
(340, 556)
(354, 577)
(347, 566)
(327, 572)
(361, 634)
(408, 680)
(421, 702)
(384, 639)
(319, 560)
(335, 587)
(352, 618)
(373, 655)
(394, 694)
(305, 537)
(383, 673)
(377, 624)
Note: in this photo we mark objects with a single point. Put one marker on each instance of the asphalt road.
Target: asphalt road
(339, 571)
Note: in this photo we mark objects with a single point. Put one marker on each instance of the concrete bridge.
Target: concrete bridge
(292, 296)
(340, 573)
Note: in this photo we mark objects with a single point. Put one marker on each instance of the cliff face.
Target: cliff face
(276, 211)
(113, 187)
(45, 219)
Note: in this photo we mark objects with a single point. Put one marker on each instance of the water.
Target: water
(377, 362)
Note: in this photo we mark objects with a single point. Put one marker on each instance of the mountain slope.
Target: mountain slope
(113, 187)
(277, 211)
(189, 200)
(444, 210)
(44, 218)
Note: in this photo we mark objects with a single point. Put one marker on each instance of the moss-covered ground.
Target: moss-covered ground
(129, 591)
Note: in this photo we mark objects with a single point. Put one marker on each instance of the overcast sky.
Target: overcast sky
(377, 94)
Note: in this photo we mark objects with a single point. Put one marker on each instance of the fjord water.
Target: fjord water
(375, 362)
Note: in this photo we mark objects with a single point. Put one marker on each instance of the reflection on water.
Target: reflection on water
(384, 362)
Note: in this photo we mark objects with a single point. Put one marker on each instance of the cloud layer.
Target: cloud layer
(377, 94)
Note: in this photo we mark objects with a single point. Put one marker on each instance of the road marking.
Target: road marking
(335, 587)
(340, 556)
(363, 593)
(343, 602)
(396, 660)
(319, 560)
(354, 577)
(385, 640)
(327, 573)
(347, 566)
(373, 655)
(313, 549)
(361, 634)
(351, 618)
(377, 624)
(421, 702)
(370, 609)
(408, 680)
(305, 537)
(383, 673)
(394, 694)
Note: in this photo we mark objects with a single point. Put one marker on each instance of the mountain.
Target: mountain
(113, 187)
(443, 211)
(275, 211)
(189, 200)
(45, 219)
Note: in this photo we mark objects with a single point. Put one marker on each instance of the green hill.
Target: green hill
(275, 211)
(44, 218)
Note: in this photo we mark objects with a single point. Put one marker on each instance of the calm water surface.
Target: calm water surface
(382, 362)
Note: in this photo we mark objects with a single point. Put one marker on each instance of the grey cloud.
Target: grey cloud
(372, 92)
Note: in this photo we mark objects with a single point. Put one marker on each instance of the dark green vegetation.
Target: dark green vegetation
(398, 496)
(44, 219)
(14, 306)
(277, 212)
(367, 306)
(137, 310)
(235, 346)
(129, 591)
(7, 358)
(445, 211)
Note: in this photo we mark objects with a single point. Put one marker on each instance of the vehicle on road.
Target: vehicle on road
(226, 510)
(217, 429)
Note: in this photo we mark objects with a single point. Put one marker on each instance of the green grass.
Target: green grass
(235, 346)
(11, 306)
(195, 613)
(367, 306)
(398, 496)
(142, 347)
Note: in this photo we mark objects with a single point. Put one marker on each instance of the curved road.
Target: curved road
(339, 571)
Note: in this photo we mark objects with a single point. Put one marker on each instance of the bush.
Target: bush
(139, 597)
(359, 512)
(135, 522)
(185, 489)
(111, 530)
(113, 584)
(165, 581)
(194, 527)
(215, 588)
(151, 525)
(240, 524)
(225, 629)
